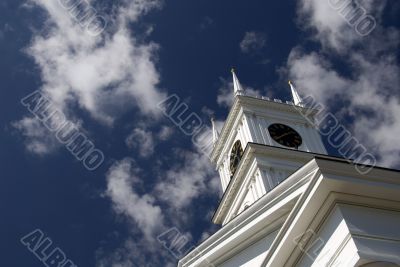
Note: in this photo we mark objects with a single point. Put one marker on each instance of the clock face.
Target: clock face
(285, 135)
(236, 156)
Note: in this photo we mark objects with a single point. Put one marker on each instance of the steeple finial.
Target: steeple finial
(296, 98)
(237, 87)
(215, 134)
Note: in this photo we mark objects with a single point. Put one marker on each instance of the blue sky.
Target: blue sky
(108, 85)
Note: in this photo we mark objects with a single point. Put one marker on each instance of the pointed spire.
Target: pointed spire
(237, 87)
(215, 134)
(296, 98)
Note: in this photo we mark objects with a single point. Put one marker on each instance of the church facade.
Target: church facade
(286, 202)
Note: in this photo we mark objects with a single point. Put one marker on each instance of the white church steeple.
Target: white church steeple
(296, 97)
(237, 87)
(258, 147)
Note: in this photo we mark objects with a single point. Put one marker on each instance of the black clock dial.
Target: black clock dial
(235, 157)
(285, 135)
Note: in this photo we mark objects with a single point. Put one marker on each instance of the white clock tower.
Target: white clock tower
(286, 202)
(256, 126)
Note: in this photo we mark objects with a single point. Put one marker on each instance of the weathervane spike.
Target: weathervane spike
(296, 97)
(237, 87)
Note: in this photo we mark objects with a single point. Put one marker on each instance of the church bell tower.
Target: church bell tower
(259, 146)
(286, 203)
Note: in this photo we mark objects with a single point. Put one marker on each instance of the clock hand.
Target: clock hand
(279, 137)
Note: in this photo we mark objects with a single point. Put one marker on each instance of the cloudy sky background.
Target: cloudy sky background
(153, 177)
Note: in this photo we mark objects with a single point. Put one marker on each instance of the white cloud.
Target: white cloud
(330, 25)
(225, 93)
(225, 96)
(143, 211)
(314, 76)
(165, 133)
(122, 179)
(38, 139)
(105, 75)
(134, 252)
(332, 29)
(145, 140)
(371, 91)
(192, 177)
(142, 140)
(252, 42)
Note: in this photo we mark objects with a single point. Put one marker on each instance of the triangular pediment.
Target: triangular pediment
(335, 183)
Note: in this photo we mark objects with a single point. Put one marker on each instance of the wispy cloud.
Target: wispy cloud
(141, 140)
(105, 75)
(253, 42)
(38, 140)
(144, 138)
(192, 177)
(150, 212)
(122, 178)
(165, 133)
(371, 91)
(140, 209)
